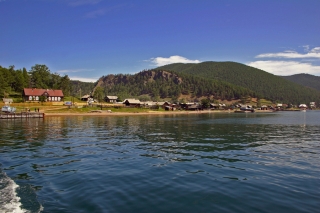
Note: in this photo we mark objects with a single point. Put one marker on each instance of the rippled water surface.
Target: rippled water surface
(251, 162)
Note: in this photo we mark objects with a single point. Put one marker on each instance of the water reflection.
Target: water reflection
(82, 161)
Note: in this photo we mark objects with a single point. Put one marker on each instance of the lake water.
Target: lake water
(250, 162)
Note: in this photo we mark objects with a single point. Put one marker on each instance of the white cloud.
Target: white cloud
(83, 79)
(76, 3)
(313, 53)
(286, 67)
(160, 61)
(74, 70)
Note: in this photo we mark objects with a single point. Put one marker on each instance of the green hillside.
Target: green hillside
(158, 84)
(266, 85)
(305, 80)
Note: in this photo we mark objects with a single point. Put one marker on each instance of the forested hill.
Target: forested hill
(156, 85)
(307, 80)
(266, 85)
(13, 81)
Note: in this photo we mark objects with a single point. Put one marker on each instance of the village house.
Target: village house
(191, 106)
(7, 101)
(150, 105)
(312, 105)
(111, 99)
(132, 103)
(33, 95)
(85, 98)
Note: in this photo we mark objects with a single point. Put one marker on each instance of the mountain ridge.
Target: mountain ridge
(266, 85)
(304, 79)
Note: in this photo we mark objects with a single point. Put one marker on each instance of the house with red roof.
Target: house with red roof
(33, 94)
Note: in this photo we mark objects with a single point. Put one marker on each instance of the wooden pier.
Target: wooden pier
(21, 115)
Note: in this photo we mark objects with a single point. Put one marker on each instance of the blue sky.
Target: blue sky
(86, 39)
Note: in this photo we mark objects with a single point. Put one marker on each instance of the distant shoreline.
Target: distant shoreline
(107, 113)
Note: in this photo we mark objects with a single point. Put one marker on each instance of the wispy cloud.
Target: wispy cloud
(66, 71)
(286, 67)
(76, 3)
(313, 53)
(160, 61)
(83, 79)
(71, 72)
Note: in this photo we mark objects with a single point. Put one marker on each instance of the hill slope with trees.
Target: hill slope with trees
(266, 85)
(158, 84)
(306, 80)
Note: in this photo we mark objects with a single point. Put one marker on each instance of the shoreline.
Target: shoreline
(107, 113)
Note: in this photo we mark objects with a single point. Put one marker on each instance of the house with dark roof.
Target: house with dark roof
(85, 97)
(111, 99)
(50, 95)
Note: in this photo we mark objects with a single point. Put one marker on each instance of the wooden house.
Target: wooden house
(111, 99)
(193, 106)
(33, 95)
(85, 97)
(7, 101)
(132, 103)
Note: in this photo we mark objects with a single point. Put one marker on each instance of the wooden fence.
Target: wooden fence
(21, 115)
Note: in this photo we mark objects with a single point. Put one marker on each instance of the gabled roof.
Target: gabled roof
(149, 103)
(132, 101)
(7, 100)
(160, 103)
(40, 92)
(112, 97)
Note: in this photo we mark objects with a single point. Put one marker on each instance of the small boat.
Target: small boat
(244, 109)
(8, 109)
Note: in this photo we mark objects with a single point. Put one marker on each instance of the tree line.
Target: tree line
(13, 81)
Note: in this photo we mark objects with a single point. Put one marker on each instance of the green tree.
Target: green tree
(19, 81)
(64, 85)
(205, 103)
(40, 76)
(99, 95)
(26, 78)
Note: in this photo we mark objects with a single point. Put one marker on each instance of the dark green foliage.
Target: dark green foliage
(98, 94)
(305, 80)
(13, 81)
(264, 84)
(78, 88)
(168, 84)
